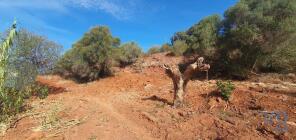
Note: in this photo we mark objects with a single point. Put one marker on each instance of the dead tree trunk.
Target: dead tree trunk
(180, 80)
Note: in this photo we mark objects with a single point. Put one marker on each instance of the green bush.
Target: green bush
(39, 90)
(201, 38)
(154, 50)
(225, 88)
(91, 57)
(249, 38)
(11, 102)
(179, 47)
(128, 53)
(43, 92)
(166, 48)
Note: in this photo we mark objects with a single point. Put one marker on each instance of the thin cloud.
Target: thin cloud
(34, 5)
(121, 10)
(34, 22)
(31, 13)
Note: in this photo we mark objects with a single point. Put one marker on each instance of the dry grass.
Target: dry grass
(47, 114)
(50, 120)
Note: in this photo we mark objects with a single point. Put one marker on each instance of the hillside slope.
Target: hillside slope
(137, 105)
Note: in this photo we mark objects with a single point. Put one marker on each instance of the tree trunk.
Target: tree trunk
(180, 80)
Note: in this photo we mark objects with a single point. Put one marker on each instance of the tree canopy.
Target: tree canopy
(23, 56)
(200, 36)
(90, 57)
(254, 35)
(30, 55)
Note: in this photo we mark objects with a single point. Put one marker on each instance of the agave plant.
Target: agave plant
(4, 56)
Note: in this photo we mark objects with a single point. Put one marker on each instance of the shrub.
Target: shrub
(153, 50)
(11, 102)
(39, 90)
(166, 48)
(128, 53)
(179, 47)
(91, 57)
(201, 38)
(225, 88)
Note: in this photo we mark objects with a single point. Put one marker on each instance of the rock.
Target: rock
(212, 81)
(148, 87)
(212, 103)
(231, 121)
(284, 136)
(150, 117)
(175, 135)
(219, 100)
(261, 85)
(185, 113)
(36, 136)
(283, 97)
(291, 75)
(190, 112)
(122, 89)
(182, 114)
(292, 123)
(257, 88)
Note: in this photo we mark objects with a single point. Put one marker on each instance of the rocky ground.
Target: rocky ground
(136, 104)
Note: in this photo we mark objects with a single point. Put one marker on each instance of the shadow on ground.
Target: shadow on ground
(159, 99)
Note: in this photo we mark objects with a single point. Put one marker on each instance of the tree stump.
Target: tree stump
(180, 80)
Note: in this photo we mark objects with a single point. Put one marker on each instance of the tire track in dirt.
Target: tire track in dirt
(140, 132)
(94, 104)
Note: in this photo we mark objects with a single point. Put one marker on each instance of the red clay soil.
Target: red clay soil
(133, 105)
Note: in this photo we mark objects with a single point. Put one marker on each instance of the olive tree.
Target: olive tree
(91, 57)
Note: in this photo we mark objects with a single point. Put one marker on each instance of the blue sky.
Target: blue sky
(147, 22)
